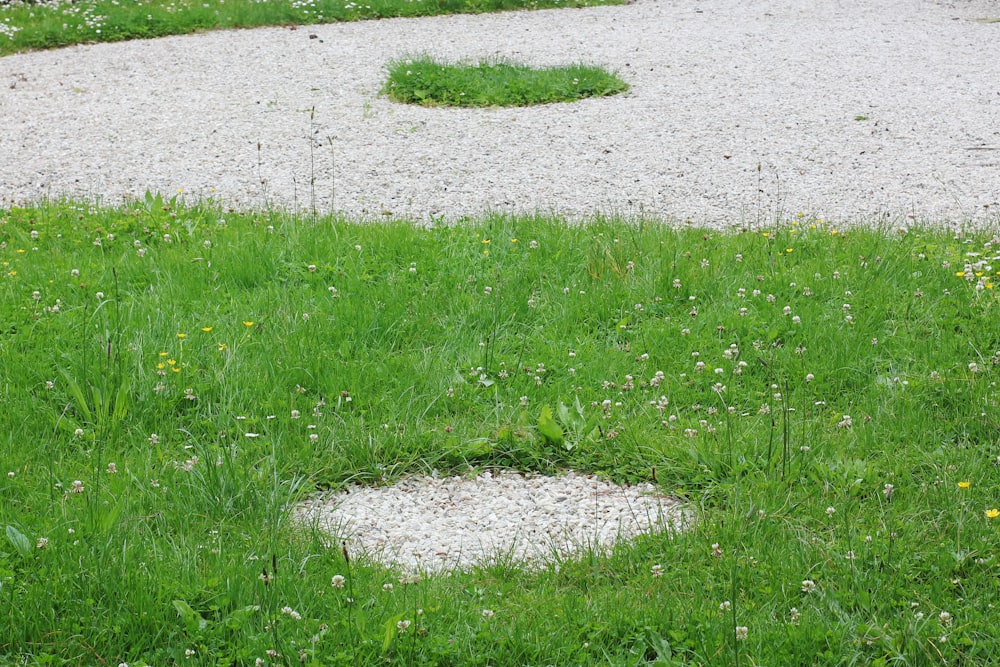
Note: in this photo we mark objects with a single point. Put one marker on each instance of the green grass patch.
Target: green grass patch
(173, 376)
(28, 25)
(429, 82)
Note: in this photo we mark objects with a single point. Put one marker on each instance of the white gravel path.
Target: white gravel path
(739, 110)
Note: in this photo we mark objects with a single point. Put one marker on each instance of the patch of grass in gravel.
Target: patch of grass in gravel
(25, 24)
(174, 376)
(424, 80)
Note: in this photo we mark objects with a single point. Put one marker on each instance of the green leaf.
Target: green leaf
(240, 618)
(19, 541)
(191, 618)
(548, 427)
(391, 629)
(563, 413)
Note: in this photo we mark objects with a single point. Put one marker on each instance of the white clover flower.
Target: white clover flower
(488, 613)
(808, 586)
(337, 581)
(741, 632)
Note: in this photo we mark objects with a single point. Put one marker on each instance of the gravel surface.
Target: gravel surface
(739, 110)
(435, 524)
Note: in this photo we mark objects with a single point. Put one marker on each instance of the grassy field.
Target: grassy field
(47, 24)
(173, 377)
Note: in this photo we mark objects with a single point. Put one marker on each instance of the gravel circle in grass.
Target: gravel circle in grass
(738, 111)
(434, 524)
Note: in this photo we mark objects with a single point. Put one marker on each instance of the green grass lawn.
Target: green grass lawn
(173, 377)
(424, 80)
(824, 400)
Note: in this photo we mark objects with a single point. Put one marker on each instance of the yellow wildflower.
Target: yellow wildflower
(993, 513)
(964, 485)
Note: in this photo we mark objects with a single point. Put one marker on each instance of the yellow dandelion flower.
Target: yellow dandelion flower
(248, 324)
(989, 285)
(960, 274)
(160, 366)
(175, 369)
(486, 241)
(20, 251)
(964, 485)
(206, 329)
(182, 336)
(486, 252)
(172, 362)
(513, 240)
(163, 354)
(788, 250)
(12, 273)
(993, 513)
(979, 274)
(223, 347)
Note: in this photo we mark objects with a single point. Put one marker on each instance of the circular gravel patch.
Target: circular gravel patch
(435, 524)
(740, 111)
